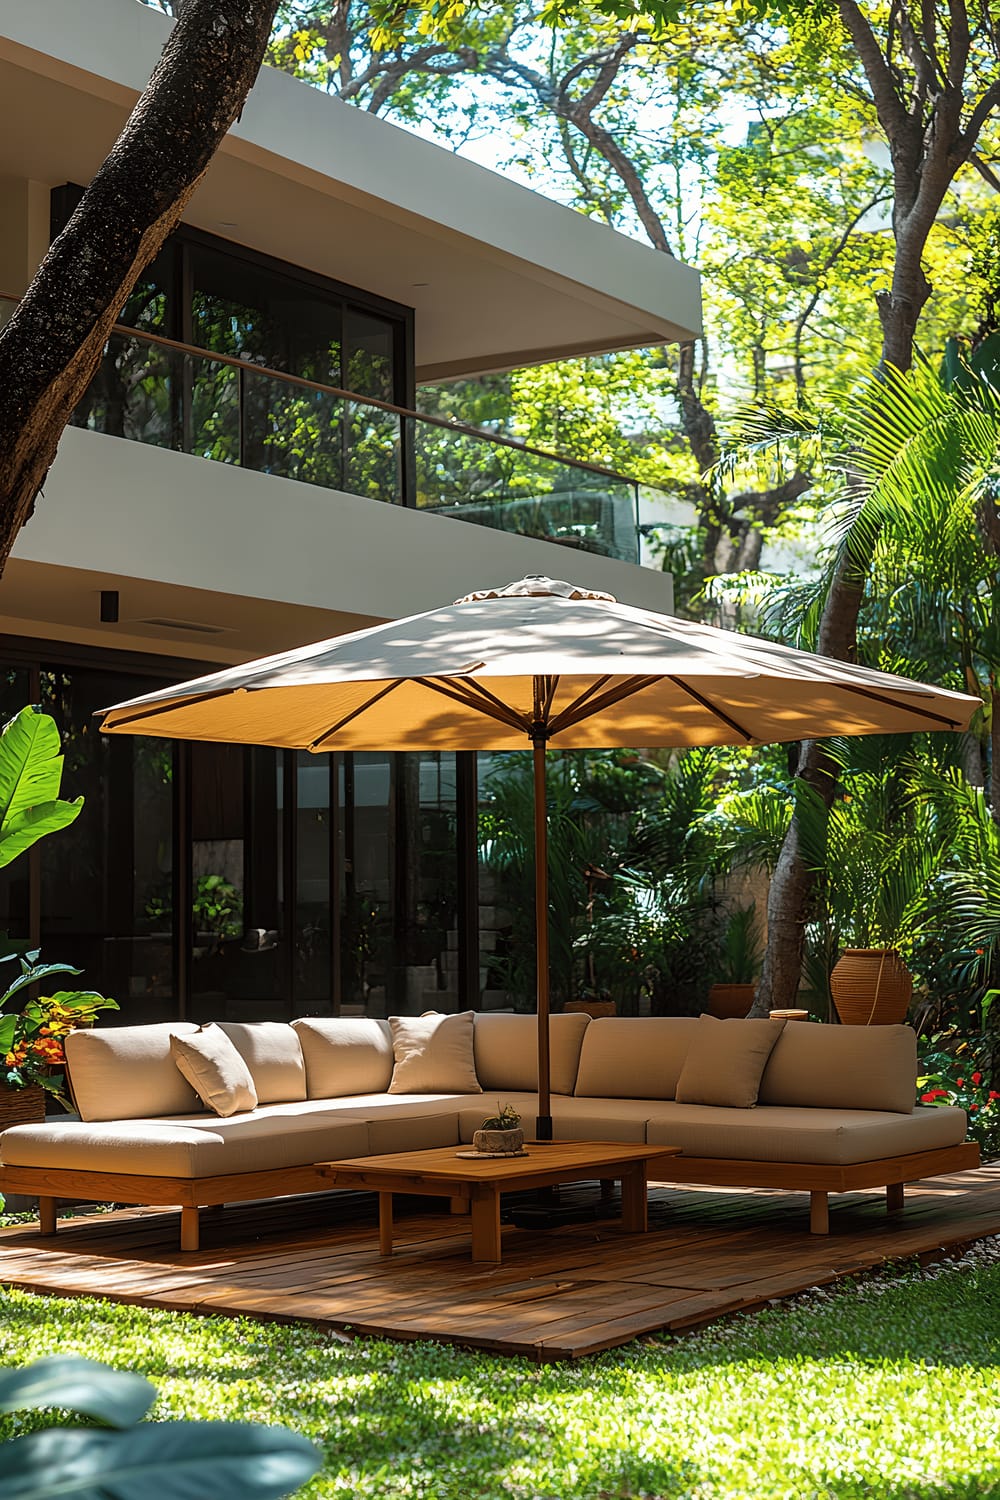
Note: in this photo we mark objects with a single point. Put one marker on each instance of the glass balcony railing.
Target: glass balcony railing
(154, 390)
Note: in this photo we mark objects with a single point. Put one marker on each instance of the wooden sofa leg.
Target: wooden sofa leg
(189, 1229)
(819, 1213)
(894, 1198)
(47, 1215)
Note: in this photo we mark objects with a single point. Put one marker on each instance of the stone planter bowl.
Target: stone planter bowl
(506, 1142)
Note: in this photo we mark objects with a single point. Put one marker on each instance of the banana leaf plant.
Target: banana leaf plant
(119, 1455)
(30, 777)
(31, 1039)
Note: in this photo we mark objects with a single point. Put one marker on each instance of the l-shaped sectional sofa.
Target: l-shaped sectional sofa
(804, 1107)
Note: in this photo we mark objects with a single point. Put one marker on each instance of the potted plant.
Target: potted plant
(31, 1040)
(31, 1052)
(882, 854)
(501, 1134)
(738, 965)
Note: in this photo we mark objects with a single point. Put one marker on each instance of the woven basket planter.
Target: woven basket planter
(21, 1106)
(871, 987)
(730, 1002)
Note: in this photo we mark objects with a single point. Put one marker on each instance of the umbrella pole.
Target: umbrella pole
(543, 1123)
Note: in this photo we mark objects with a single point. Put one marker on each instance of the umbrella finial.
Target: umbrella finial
(537, 585)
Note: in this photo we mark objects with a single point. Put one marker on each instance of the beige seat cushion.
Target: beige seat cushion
(634, 1057)
(215, 1070)
(195, 1147)
(572, 1119)
(271, 1051)
(506, 1049)
(433, 1055)
(128, 1072)
(345, 1055)
(849, 1067)
(725, 1061)
(774, 1132)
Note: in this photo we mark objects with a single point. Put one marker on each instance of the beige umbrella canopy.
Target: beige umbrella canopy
(545, 663)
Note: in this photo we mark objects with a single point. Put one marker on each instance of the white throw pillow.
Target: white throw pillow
(433, 1054)
(215, 1070)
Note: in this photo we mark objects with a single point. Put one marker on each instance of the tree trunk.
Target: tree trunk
(52, 345)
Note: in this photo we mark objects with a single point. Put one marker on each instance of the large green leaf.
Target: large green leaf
(30, 776)
(80, 1385)
(32, 974)
(18, 834)
(168, 1460)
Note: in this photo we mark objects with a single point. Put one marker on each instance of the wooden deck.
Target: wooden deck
(560, 1293)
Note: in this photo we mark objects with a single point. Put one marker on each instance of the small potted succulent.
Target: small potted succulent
(501, 1134)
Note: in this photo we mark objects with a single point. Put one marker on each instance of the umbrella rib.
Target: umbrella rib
(707, 703)
(587, 705)
(473, 695)
(924, 713)
(165, 708)
(361, 708)
(584, 697)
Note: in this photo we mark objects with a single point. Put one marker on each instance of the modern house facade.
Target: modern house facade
(248, 473)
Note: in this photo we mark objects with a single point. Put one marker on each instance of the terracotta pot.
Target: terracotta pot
(871, 987)
(730, 1002)
(21, 1106)
(592, 1008)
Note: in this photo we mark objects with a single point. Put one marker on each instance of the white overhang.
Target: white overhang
(498, 275)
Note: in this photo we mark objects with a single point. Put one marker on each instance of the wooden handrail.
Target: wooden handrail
(447, 423)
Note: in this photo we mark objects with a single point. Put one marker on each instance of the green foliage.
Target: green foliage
(506, 1118)
(174, 1460)
(30, 776)
(950, 1079)
(31, 1040)
(742, 949)
(882, 1388)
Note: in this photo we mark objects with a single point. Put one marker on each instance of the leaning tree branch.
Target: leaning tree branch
(52, 345)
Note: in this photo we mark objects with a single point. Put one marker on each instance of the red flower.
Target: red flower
(993, 1095)
(960, 1082)
(977, 1079)
(932, 1095)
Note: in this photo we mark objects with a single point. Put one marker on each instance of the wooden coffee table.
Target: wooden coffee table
(442, 1173)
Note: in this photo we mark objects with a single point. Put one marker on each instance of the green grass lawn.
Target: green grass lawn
(887, 1388)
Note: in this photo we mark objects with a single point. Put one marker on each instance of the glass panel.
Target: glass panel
(137, 393)
(211, 426)
(263, 317)
(105, 880)
(372, 453)
(152, 302)
(313, 978)
(427, 854)
(217, 876)
(292, 431)
(368, 355)
(366, 947)
(509, 489)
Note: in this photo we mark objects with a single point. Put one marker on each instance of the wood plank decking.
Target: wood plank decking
(559, 1294)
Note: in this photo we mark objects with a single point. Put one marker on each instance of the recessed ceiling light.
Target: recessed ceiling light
(193, 625)
(420, 283)
(228, 224)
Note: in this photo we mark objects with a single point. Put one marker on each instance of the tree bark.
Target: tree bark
(52, 345)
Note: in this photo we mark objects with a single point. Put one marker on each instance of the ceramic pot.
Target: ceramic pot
(730, 1002)
(871, 987)
(507, 1142)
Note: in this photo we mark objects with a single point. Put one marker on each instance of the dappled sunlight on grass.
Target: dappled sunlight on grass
(886, 1388)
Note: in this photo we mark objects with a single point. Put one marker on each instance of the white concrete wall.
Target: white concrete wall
(123, 508)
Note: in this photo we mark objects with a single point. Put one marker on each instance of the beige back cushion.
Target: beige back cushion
(271, 1051)
(843, 1067)
(345, 1055)
(634, 1057)
(433, 1055)
(725, 1061)
(128, 1072)
(507, 1052)
(215, 1070)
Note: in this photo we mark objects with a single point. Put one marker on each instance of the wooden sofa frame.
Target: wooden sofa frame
(50, 1184)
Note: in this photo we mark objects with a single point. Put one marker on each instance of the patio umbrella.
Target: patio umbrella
(544, 663)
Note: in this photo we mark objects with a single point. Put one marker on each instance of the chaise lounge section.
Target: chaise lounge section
(798, 1106)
